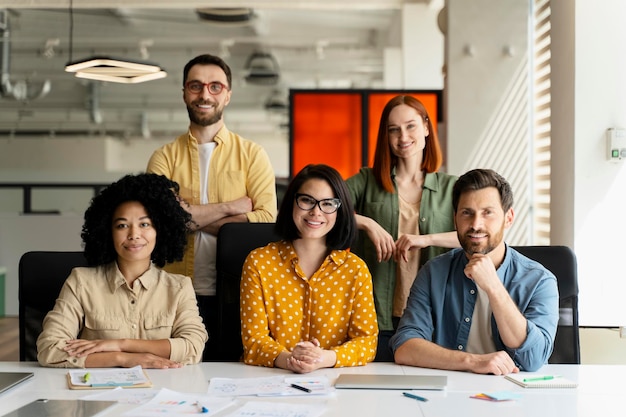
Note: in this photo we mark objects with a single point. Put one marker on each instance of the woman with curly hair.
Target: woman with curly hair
(124, 310)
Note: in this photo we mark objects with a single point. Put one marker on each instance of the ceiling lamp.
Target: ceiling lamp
(276, 102)
(262, 69)
(104, 68)
(226, 15)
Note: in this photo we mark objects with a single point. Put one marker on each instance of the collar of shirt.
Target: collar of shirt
(220, 137)
(116, 279)
(288, 253)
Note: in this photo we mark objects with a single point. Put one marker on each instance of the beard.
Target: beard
(207, 120)
(471, 248)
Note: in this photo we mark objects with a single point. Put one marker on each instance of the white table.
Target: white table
(600, 392)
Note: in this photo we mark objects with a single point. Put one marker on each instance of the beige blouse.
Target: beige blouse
(97, 303)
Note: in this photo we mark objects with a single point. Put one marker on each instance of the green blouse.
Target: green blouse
(370, 200)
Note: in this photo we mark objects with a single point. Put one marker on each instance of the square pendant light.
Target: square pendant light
(104, 68)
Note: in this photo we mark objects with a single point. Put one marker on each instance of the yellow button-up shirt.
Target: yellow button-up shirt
(97, 303)
(238, 168)
(280, 306)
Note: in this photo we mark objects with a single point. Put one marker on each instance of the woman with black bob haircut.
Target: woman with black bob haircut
(123, 310)
(307, 302)
(345, 232)
(168, 218)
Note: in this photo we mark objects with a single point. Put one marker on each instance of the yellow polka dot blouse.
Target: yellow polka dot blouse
(281, 307)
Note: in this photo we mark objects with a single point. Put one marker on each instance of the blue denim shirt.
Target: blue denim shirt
(442, 300)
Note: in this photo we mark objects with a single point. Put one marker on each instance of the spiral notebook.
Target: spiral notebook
(527, 380)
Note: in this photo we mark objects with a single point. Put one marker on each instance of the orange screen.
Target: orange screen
(327, 126)
(327, 129)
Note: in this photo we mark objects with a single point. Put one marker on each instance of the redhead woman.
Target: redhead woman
(404, 209)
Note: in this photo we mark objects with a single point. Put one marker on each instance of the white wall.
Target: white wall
(487, 97)
(20, 234)
(588, 98)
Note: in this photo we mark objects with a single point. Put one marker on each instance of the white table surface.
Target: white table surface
(601, 391)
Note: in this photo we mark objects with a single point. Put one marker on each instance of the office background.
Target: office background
(488, 122)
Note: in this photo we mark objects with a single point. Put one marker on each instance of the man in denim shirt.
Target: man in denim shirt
(483, 308)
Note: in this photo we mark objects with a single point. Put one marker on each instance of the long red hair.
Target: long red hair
(385, 160)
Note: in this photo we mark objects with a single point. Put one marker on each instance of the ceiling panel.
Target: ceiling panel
(314, 47)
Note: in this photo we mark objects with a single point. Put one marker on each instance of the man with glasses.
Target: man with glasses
(223, 178)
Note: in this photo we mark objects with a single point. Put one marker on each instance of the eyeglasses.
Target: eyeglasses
(196, 87)
(327, 205)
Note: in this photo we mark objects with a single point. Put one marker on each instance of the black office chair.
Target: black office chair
(234, 242)
(41, 276)
(561, 261)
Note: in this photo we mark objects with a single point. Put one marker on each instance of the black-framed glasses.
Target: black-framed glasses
(327, 205)
(196, 87)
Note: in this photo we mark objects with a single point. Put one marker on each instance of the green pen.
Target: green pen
(539, 378)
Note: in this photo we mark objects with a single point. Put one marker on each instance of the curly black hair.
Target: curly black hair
(159, 196)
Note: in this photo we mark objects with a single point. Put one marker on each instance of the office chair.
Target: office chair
(234, 242)
(41, 276)
(561, 261)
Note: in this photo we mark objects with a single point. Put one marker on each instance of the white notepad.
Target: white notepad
(528, 380)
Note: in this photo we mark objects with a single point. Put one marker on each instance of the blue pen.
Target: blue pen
(415, 397)
(201, 409)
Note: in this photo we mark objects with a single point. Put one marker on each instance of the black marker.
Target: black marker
(301, 388)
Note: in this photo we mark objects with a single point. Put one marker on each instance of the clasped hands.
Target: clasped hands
(386, 247)
(308, 356)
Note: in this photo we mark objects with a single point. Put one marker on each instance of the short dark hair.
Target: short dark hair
(207, 59)
(159, 196)
(477, 179)
(344, 232)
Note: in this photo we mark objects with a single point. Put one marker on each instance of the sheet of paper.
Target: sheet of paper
(178, 404)
(274, 409)
(123, 396)
(112, 376)
(269, 386)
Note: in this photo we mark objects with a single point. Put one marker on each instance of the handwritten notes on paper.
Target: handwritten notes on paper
(269, 386)
(173, 404)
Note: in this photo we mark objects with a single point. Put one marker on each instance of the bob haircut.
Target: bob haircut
(385, 160)
(478, 179)
(159, 196)
(208, 59)
(344, 232)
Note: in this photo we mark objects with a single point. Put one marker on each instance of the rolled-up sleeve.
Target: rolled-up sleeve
(542, 317)
(62, 323)
(188, 332)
